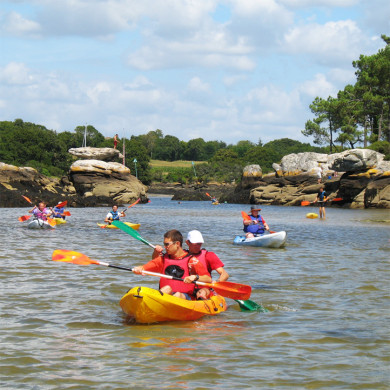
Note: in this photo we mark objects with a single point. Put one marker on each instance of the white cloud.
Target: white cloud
(318, 86)
(331, 43)
(197, 85)
(16, 73)
(15, 24)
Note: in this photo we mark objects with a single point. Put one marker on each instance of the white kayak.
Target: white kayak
(37, 223)
(272, 240)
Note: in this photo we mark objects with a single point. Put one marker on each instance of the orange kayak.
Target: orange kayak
(147, 305)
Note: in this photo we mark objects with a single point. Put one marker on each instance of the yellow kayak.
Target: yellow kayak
(312, 215)
(59, 221)
(147, 305)
(135, 226)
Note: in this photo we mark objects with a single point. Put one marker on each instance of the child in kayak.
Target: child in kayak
(256, 225)
(114, 215)
(209, 259)
(176, 262)
(58, 212)
(40, 212)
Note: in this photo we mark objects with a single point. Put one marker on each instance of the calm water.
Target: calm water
(327, 291)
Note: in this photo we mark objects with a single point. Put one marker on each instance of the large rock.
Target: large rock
(106, 180)
(356, 160)
(103, 154)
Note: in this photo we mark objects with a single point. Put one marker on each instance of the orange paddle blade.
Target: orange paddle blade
(245, 216)
(337, 199)
(305, 203)
(24, 218)
(62, 204)
(232, 290)
(208, 194)
(51, 222)
(28, 200)
(67, 213)
(68, 256)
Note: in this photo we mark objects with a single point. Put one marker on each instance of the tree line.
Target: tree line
(360, 114)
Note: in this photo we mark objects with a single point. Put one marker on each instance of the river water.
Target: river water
(327, 292)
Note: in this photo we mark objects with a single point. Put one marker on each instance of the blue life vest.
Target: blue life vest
(57, 212)
(321, 196)
(255, 228)
(115, 215)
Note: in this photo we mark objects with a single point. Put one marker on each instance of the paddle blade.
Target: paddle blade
(67, 213)
(208, 194)
(129, 230)
(68, 256)
(28, 199)
(245, 216)
(62, 204)
(24, 218)
(232, 290)
(250, 306)
(305, 203)
(337, 199)
(51, 222)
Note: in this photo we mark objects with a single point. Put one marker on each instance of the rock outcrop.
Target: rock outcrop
(360, 177)
(89, 153)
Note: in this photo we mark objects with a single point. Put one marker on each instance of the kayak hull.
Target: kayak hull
(311, 215)
(147, 306)
(135, 226)
(59, 221)
(272, 240)
(39, 224)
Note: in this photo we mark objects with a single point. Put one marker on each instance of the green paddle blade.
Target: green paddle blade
(249, 305)
(131, 231)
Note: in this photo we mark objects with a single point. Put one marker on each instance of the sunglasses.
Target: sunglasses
(167, 244)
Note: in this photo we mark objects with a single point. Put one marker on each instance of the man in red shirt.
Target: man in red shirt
(176, 262)
(209, 259)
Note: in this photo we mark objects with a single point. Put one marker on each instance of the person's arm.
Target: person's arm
(154, 265)
(30, 211)
(197, 272)
(108, 218)
(158, 250)
(223, 275)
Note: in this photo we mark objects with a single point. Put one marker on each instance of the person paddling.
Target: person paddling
(256, 225)
(209, 260)
(58, 212)
(40, 212)
(114, 215)
(175, 262)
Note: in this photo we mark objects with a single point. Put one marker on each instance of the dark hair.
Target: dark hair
(174, 235)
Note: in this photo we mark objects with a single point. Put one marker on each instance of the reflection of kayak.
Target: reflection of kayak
(147, 305)
(37, 223)
(135, 226)
(215, 203)
(59, 221)
(272, 240)
(312, 215)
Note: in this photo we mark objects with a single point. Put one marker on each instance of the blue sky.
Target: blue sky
(226, 70)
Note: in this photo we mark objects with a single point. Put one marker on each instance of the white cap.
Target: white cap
(195, 237)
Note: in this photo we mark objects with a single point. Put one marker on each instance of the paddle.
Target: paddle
(24, 218)
(62, 204)
(307, 203)
(250, 306)
(246, 217)
(129, 230)
(67, 213)
(28, 199)
(226, 289)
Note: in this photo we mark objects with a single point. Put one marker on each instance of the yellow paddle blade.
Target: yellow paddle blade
(68, 256)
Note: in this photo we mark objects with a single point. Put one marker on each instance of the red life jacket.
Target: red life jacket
(202, 258)
(179, 268)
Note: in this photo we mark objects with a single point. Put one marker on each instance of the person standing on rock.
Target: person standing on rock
(115, 140)
(321, 199)
(114, 215)
(319, 173)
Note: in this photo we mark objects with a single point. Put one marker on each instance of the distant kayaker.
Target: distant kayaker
(58, 212)
(114, 215)
(256, 225)
(176, 262)
(321, 200)
(209, 259)
(40, 212)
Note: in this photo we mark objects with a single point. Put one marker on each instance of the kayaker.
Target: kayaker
(176, 262)
(321, 199)
(40, 212)
(256, 225)
(209, 259)
(58, 212)
(114, 215)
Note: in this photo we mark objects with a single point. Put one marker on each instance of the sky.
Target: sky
(225, 70)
